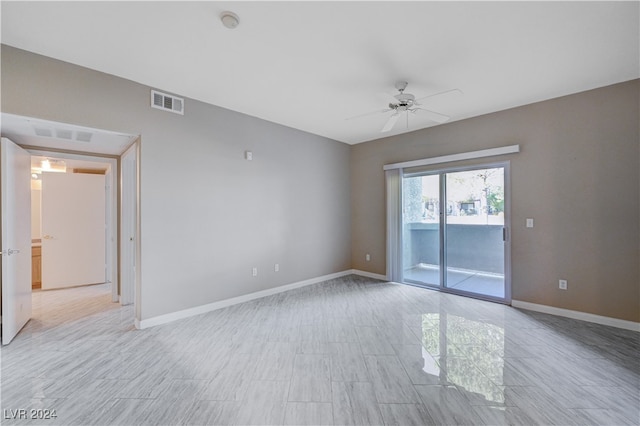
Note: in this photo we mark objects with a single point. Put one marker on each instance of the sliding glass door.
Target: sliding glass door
(454, 230)
(421, 230)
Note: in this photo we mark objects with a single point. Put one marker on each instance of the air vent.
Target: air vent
(67, 134)
(167, 102)
(64, 134)
(40, 131)
(83, 136)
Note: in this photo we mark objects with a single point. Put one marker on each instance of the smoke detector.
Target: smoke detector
(229, 19)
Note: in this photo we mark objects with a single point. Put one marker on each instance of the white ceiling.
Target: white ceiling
(311, 65)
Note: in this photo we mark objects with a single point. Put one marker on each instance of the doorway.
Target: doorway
(454, 234)
(72, 214)
(70, 143)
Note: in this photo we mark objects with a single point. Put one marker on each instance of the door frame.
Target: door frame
(112, 207)
(130, 224)
(441, 172)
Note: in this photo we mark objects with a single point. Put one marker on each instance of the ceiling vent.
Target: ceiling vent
(83, 136)
(167, 102)
(67, 134)
(41, 131)
(64, 134)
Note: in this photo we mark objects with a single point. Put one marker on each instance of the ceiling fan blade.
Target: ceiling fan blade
(380, 111)
(451, 92)
(390, 123)
(432, 115)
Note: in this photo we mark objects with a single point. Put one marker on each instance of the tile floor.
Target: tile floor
(348, 351)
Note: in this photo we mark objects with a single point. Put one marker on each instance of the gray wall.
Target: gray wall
(208, 215)
(576, 175)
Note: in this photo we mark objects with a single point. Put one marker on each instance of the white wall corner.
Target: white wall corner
(583, 316)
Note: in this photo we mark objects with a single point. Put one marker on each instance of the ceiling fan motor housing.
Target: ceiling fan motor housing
(405, 98)
(405, 101)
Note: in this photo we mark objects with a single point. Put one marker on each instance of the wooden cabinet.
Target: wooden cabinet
(36, 267)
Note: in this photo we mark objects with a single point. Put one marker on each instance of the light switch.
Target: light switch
(248, 155)
(529, 223)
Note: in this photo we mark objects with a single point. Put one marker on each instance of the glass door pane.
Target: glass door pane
(474, 246)
(421, 229)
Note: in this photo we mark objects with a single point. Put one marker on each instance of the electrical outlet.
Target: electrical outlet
(255, 272)
(276, 267)
(367, 257)
(562, 284)
(529, 223)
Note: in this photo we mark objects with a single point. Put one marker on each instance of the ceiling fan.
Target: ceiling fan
(407, 103)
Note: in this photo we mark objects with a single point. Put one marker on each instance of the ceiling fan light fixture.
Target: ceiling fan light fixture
(401, 85)
(229, 19)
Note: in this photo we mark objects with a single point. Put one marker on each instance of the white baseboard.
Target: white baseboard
(198, 310)
(369, 275)
(584, 316)
(186, 313)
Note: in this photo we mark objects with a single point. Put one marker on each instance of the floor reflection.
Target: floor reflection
(464, 353)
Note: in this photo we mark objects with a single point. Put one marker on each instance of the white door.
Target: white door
(73, 230)
(16, 238)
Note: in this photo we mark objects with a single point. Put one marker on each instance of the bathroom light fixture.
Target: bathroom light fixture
(229, 19)
(49, 165)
